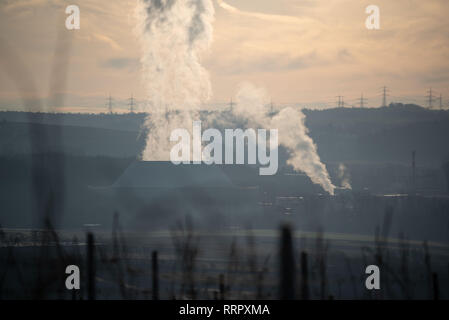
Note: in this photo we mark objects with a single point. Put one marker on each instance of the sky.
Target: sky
(303, 52)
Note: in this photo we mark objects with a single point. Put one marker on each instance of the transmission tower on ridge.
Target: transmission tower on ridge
(429, 98)
(110, 104)
(362, 101)
(384, 96)
(231, 105)
(341, 102)
(131, 104)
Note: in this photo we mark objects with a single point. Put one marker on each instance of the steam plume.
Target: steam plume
(252, 104)
(344, 176)
(174, 34)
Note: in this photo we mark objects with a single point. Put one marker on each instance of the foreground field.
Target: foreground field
(232, 264)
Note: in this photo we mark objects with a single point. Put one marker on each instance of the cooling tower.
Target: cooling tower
(157, 193)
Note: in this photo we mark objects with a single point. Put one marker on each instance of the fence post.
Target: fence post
(90, 267)
(222, 287)
(304, 277)
(436, 289)
(155, 274)
(287, 268)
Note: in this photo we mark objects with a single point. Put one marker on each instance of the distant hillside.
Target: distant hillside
(380, 135)
(123, 122)
(342, 134)
(74, 140)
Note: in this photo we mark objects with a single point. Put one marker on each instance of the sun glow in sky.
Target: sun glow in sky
(300, 51)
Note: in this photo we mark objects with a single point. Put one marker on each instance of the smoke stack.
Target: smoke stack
(413, 170)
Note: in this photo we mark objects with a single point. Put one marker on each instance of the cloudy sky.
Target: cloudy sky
(300, 51)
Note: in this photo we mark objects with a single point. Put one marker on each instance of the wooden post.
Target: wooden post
(436, 289)
(304, 277)
(287, 268)
(155, 274)
(90, 267)
(222, 287)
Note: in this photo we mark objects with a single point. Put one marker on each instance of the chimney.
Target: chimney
(413, 170)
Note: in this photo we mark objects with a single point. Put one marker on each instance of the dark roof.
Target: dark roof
(161, 174)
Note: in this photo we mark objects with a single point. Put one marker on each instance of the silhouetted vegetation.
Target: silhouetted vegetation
(114, 268)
